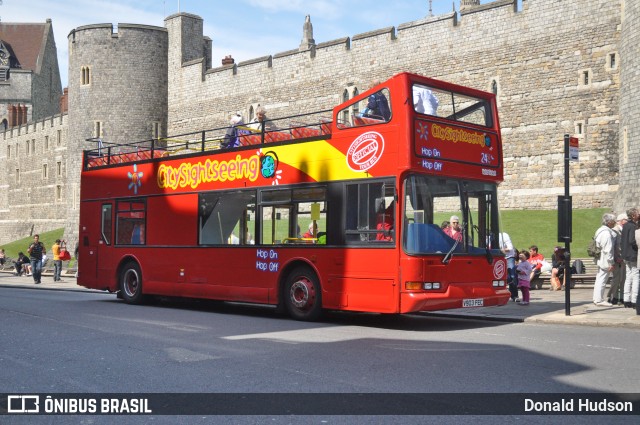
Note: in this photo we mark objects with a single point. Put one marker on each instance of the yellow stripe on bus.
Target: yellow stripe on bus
(319, 160)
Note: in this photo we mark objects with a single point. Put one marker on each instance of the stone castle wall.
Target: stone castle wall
(36, 167)
(537, 57)
(629, 149)
(16, 91)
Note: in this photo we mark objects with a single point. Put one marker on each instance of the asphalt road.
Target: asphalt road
(75, 342)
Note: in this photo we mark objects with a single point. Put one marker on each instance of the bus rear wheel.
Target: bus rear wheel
(302, 295)
(131, 283)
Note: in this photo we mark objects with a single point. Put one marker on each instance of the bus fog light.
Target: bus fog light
(412, 286)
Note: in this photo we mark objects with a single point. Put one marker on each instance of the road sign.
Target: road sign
(573, 149)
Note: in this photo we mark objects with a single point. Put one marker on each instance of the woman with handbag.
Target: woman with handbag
(57, 262)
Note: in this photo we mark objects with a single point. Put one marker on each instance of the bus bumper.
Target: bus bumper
(455, 296)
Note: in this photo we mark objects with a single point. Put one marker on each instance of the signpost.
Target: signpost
(571, 153)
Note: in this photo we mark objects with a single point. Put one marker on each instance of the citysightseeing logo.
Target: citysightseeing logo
(209, 171)
(365, 151)
(458, 135)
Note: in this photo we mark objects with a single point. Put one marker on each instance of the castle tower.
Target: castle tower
(117, 92)
(629, 134)
(187, 44)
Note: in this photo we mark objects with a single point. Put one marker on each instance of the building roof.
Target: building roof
(26, 42)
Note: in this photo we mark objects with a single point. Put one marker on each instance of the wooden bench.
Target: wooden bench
(8, 266)
(586, 278)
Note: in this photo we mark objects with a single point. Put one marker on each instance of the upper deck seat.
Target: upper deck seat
(325, 127)
(276, 136)
(302, 132)
(358, 120)
(250, 139)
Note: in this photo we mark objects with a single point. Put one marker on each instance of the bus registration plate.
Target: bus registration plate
(478, 302)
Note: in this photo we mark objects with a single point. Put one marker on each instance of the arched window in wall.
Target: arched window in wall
(86, 76)
(356, 106)
(345, 113)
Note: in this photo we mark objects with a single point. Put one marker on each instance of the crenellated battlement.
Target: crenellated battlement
(34, 127)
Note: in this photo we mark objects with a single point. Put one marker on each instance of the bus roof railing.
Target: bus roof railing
(309, 126)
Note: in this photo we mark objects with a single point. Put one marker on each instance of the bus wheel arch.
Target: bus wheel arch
(301, 294)
(130, 282)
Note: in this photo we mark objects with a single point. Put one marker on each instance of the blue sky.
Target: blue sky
(245, 29)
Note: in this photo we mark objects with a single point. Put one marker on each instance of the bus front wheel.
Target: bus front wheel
(302, 295)
(131, 283)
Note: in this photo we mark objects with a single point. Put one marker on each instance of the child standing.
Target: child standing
(524, 269)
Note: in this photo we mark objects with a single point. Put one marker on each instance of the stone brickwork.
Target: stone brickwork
(40, 88)
(629, 144)
(47, 87)
(35, 164)
(538, 58)
(557, 67)
(126, 91)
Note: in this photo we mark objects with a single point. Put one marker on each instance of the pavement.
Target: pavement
(545, 306)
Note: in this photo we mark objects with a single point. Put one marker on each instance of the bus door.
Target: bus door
(105, 241)
(94, 239)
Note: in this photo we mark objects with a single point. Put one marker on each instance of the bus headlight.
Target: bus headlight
(498, 283)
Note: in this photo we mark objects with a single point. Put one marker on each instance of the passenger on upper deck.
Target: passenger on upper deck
(424, 101)
(231, 137)
(261, 120)
(378, 105)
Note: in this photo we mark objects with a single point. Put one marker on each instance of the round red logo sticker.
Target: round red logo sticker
(499, 269)
(365, 151)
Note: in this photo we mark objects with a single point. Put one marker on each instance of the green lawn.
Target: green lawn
(525, 227)
(540, 228)
(48, 238)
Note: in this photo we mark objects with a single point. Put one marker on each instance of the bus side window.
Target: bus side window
(370, 211)
(223, 214)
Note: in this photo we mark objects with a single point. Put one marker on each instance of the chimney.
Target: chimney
(227, 60)
(13, 115)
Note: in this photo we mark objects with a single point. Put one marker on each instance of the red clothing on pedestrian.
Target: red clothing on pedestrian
(536, 260)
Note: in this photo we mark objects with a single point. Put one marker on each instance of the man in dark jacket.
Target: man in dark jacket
(378, 106)
(20, 262)
(629, 250)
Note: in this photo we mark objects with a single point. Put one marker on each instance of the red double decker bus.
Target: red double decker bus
(333, 210)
